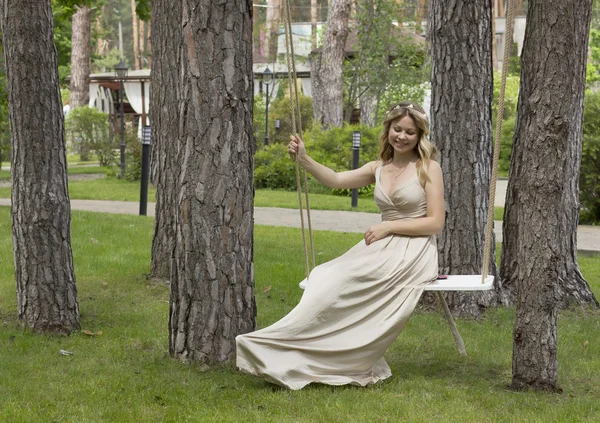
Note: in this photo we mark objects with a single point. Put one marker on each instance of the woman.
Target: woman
(355, 306)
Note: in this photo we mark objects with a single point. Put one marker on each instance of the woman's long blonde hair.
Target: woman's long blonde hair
(424, 149)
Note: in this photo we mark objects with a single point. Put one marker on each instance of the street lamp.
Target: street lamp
(267, 78)
(146, 139)
(121, 72)
(355, 157)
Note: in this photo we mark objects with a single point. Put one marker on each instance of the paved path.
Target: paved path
(340, 221)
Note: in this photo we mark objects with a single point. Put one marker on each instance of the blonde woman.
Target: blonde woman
(356, 305)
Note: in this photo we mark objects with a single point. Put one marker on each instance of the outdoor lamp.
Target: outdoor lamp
(267, 79)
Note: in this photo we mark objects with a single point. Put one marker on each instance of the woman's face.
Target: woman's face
(403, 135)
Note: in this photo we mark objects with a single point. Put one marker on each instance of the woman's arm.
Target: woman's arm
(349, 179)
(431, 224)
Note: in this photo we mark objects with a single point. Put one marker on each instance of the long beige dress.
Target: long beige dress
(352, 309)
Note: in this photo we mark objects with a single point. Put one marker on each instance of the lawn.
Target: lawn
(125, 373)
(121, 190)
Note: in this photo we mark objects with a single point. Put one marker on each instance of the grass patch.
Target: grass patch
(71, 170)
(120, 190)
(126, 374)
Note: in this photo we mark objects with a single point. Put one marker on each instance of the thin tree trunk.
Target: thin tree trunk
(272, 28)
(420, 14)
(327, 67)
(212, 297)
(41, 212)
(461, 109)
(313, 24)
(149, 43)
(141, 41)
(165, 111)
(80, 58)
(539, 259)
(136, 45)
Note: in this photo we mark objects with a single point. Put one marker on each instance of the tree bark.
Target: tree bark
(212, 298)
(572, 289)
(327, 67)
(41, 213)
(461, 109)
(80, 58)
(165, 110)
(539, 259)
(136, 34)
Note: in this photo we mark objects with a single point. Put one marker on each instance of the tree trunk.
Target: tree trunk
(367, 109)
(165, 110)
(272, 28)
(420, 14)
(327, 67)
(539, 259)
(212, 297)
(136, 45)
(313, 24)
(41, 212)
(149, 44)
(141, 38)
(461, 109)
(80, 58)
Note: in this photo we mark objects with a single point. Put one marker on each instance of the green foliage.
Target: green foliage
(275, 170)
(89, 131)
(387, 60)
(589, 178)
(593, 66)
(397, 92)
(133, 154)
(281, 110)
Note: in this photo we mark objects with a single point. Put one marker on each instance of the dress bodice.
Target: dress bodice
(406, 201)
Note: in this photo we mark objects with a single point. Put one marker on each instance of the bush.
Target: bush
(589, 181)
(333, 148)
(133, 154)
(89, 131)
(280, 109)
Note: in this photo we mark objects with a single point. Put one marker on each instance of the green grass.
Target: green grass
(120, 190)
(72, 170)
(126, 374)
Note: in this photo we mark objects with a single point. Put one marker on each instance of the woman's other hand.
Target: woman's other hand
(296, 147)
(376, 232)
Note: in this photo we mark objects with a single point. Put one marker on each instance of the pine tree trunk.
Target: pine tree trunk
(165, 110)
(149, 43)
(136, 45)
(41, 213)
(540, 224)
(212, 297)
(461, 99)
(327, 67)
(80, 58)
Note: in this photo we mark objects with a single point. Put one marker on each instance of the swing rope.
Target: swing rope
(489, 227)
(297, 130)
(301, 178)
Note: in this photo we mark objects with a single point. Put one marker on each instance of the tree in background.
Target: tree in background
(461, 114)
(80, 56)
(327, 67)
(386, 59)
(4, 126)
(41, 212)
(539, 254)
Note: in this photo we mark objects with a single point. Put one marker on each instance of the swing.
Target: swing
(459, 283)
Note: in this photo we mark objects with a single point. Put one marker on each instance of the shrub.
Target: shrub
(133, 154)
(89, 131)
(333, 148)
(280, 109)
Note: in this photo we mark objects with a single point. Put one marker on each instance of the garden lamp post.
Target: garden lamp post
(121, 72)
(267, 79)
(355, 157)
